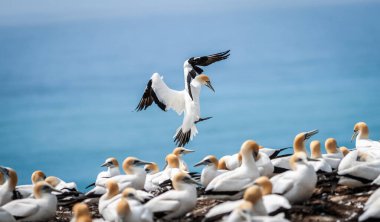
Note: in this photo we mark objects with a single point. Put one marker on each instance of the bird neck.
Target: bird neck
(113, 171)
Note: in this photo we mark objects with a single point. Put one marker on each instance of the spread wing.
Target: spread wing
(210, 59)
(157, 91)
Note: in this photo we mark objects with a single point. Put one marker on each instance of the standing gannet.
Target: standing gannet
(296, 185)
(108, 201)
(361, 135)
(334, 154)
(6, 190)
(81, 213)
(177, 202)
(172, 168)
(40, 208)
(27, 190)
(151, 172)
(358, 168)
(321, 165)
(371, 207)
(210, 171)
(282, 164)
(179, 152)
(237, 179)
(272, 202)
(157, 91)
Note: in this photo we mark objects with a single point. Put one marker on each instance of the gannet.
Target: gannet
(361, 135)
(372, 206)
(108, 201)
(129, 209)
(282, 164)
(180, 101)
(40, 208)
(6, 190)
(136, 197)
(179, 152)
(237, 179)
(81, 213)
(210, 171)
(61, 185)
(344, 150)
(230, 162)
(333, 155)
(151, 172)
(321, 165)
(358, 168)
(296, 185)
(272, 202)
(172, 168)
(5, 216)
(176, 202)
(272, 153)
(264, 164)
(27, 190)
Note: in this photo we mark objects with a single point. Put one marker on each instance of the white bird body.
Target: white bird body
(149, 185)
(264, 165)
(296, 185)
(172, 168)
(333, 159)
(5, 216)
(6, 189)
(176, 202)
(237, 179)
(321, 165)
(61, 185)
(232, 161)
(41, 208)
(210, 170)
(371, 207)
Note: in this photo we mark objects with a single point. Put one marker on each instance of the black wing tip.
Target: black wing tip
(148, 98)
(181, 138)
(90, 185)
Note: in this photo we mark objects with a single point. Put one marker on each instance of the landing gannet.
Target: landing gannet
(282, 164)
(151, 171)
(210, 171)
(321, 165)
(296, 185)
(179, 152)
(40, 208)
(372, 206)
(6, 190)
(237, 179)
(361, 135)
(358, 168)
(180, 101)
(334, 155)
(176, 202)
(272, 202)
(81, 213)
(172, 168)
(27, 190)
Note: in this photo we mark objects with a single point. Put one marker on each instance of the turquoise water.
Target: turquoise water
(68, 89)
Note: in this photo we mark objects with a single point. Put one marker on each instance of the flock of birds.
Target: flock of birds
(257, 183)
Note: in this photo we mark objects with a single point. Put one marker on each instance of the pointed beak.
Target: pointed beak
(4, 170)
(186, 151)
(311, 133)
(142, 163)
(104, 165)
(200, 163)
(354, 135)
(311, 159)
(208, 84)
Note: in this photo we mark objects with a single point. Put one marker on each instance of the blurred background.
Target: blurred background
(72, 73)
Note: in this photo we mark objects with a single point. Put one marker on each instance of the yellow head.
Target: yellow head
(250, 147)
(265, 184)
(172, 161)
(37, 176)
(112, 189)
(253, 194)
(315, 147)
(331, 145)
(81, 212)
(361, 129)
(151, 168)
(53, 181)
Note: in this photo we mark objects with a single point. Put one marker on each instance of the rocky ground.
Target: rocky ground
(328, 203)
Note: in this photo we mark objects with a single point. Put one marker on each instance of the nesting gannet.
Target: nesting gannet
(151, 172)
(81, 213)
(272, 153)
(179, 152)
(334, 155)
(344, 150)
(296, 185)
(40, 208)
(282, 164)
(6, 190)
(27, 190)
(136, 197)
(5, 216)
(180, 101)
(272, 202)
(321, 165)
(210, 171)
(372, 206)
(361, 135)
(264, 164)
(129, 209)
(358, 168)
(230, 162)
(237, 179)
(177, 202)
(172, 168)
(61, 185)
(108, 201)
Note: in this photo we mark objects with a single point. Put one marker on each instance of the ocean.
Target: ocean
(68, 89)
